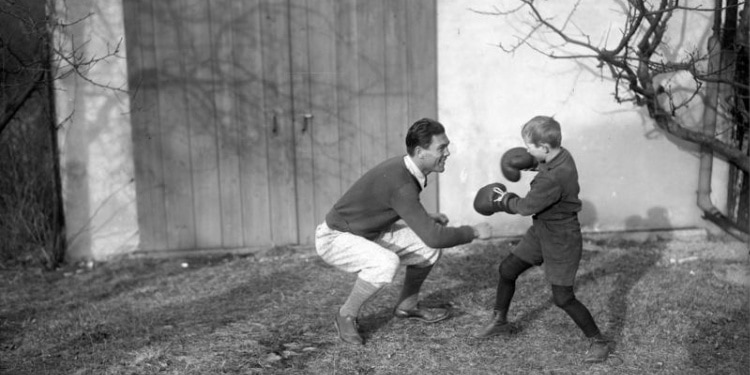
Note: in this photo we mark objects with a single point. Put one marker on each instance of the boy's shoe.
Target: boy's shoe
(598, 350)
(426, 315)
(497, 326)
(348, 329)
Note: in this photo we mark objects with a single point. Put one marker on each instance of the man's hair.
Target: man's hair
(542, 129)
(420, 134)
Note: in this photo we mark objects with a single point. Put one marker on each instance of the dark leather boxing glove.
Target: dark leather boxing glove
(487, 200)
(514, 161)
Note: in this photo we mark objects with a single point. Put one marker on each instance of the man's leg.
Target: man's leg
(346, 321)
(419, 260)
(361, 292)
(413, 281)
(374, 266)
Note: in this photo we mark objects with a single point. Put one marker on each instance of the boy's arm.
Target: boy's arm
(544, 192)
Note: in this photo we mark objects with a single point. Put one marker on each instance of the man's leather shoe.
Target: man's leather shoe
(598, 350)
(347, 328)
(426, 315)
(497, 326)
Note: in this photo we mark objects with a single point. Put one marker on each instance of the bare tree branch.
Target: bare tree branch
(634, 63)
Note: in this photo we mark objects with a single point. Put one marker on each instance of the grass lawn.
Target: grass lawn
(675, 306)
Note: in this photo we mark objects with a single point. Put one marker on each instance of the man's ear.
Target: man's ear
(418, 152)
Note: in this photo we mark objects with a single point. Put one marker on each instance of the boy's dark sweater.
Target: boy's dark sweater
(554, 191)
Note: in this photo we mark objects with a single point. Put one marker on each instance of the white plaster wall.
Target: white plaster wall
(95, 134)
(632, 176)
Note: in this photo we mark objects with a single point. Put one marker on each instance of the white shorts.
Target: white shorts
(374, 261)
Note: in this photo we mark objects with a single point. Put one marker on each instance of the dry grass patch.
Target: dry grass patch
(674, 307)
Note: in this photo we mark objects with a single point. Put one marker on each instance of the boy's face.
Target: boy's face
(538, 152)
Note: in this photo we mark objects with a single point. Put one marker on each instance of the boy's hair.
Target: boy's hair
(542, 129)
(420, 134)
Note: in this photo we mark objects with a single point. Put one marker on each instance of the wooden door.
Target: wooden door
(362, 72)
(250, 118)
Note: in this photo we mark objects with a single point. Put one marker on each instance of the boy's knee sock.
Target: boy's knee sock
(361, 292)
(565, 299)
(413, 281)
(504, 294)
(509, 270)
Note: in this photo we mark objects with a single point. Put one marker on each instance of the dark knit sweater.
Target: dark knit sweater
(382, 196)
(554, 191)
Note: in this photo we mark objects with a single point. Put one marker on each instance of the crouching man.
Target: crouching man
(380, 223)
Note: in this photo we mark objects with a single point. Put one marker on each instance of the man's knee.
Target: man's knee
(512, 266)
(382, 268)
(562, 295)
(431, 257)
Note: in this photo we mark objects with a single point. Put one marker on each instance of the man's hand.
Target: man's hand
(440, 218)
(482, 231)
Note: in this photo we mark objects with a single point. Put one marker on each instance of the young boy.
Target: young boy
(554, 239)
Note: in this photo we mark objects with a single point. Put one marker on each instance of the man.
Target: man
(363, 233)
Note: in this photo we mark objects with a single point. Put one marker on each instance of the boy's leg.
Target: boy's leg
(562, 247)
(564, 298)
(509, 270)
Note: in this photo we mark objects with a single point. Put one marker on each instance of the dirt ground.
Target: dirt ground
(269, 313)
(696, 246)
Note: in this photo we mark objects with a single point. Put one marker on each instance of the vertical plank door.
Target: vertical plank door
(200, 110)
(144, 84)
(252, 117)
(302, 118)
(421, 57)
(277, 97)
(249, 113)
(169, 28)
(224, 75)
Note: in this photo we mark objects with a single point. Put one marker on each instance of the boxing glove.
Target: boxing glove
(514, 161)
(487, 199)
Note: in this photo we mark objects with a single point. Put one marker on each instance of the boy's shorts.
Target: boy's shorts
(555, 244)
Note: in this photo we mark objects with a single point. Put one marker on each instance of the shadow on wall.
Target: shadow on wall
(587, 216)
(656, 218)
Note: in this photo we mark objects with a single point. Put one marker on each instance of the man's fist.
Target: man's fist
(487, 198)
(514, 161)
(482, 231)
(440, 218)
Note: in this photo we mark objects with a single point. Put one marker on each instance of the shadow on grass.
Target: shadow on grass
(259, 312)
(479, 271)
(118, 336)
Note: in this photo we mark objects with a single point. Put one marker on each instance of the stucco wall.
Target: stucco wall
(632, 176)
(95, 133)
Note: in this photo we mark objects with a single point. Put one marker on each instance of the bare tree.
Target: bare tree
(636, 63)
(31, 60)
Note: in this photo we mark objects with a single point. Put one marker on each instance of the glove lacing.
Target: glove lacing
(500, 194)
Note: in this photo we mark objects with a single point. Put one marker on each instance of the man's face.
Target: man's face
(432, 159)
